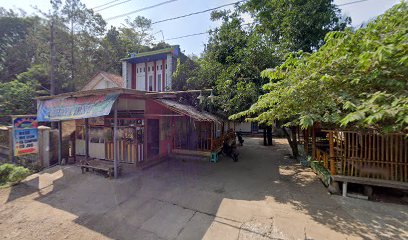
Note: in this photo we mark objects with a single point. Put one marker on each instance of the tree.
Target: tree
(117, 43)
(16, 98)
(85, 28)
(15, 54)
(238, 52)
(356, 79)
(296, 25)
(135, 35)
(227, 64)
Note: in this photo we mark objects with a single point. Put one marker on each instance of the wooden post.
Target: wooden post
(115, 140)
(306, 141)
(86, 138)
(313, 142)
(59, 142)
(332, 157)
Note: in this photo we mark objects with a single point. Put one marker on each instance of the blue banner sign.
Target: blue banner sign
(25, 141)
(25, 135)
(70, 108)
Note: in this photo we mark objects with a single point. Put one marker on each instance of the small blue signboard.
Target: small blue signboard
(25, 135)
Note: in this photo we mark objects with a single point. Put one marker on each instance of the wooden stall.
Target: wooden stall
(361, 157)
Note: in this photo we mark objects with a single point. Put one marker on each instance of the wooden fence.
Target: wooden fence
(363, 154)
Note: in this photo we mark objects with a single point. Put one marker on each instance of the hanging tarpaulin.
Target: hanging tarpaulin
(70, 108)
(25, 137)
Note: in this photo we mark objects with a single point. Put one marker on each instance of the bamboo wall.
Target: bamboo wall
(127, 152)
(363, 154)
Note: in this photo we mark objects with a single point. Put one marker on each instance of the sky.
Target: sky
(360, 12)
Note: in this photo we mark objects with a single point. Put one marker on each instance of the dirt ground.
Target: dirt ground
(265, 195)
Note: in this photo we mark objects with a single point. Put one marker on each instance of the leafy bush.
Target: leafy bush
(5, 171)
(18, 174)
(10, 173)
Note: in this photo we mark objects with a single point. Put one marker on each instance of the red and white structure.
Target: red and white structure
(150, 71)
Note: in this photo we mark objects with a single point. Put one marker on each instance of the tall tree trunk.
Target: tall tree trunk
(72, 55)
(52, 59)
(291, 137)
(52, 63)
(264, 136)
(269, 135)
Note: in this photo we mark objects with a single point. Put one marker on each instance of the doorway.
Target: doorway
(153, 137)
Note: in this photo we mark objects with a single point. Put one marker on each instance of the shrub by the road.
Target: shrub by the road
(10, 173)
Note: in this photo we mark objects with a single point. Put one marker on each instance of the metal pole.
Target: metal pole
(59, 142)
(115, 144)
(86, 138)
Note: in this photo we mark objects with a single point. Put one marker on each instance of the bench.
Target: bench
(99, 165)
(368, 182)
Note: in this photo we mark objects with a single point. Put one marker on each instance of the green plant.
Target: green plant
(5, 171)
(18, 174)
(10, 173)
(357, 79)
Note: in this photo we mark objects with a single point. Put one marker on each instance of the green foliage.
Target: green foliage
(18, 174)
(186, 75)
(17, 98)
(238, 52)
(232, 62)
(14, 52)
(5, 170)
(10, 173)
(355, 79)
(296, 25)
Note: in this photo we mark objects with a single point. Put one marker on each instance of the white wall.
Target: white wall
(124, 73)
(169, 72)
(243, 126)
(103, 84)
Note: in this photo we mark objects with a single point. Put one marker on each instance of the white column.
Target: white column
(169, 71)
(124, 74)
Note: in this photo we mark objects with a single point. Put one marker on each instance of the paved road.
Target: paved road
(265, 195)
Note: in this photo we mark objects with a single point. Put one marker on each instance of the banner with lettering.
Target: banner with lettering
(75, 107)
(25, 135)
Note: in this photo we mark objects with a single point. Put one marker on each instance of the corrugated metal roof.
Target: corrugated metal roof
(189, 111)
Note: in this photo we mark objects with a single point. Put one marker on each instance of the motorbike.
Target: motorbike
(229, 148)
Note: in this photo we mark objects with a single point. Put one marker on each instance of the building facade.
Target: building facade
(150, 71)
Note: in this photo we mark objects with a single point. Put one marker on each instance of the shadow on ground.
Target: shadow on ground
(265, 195)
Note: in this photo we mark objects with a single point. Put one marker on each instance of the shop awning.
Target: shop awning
(190, 111)
(70, 108)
